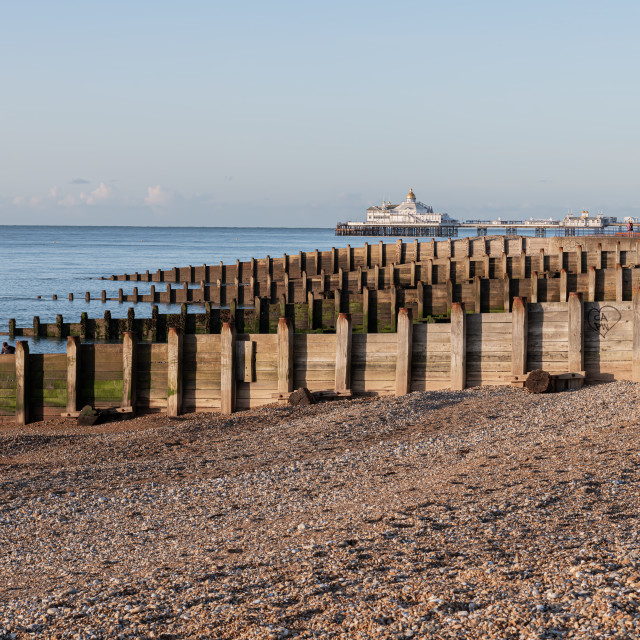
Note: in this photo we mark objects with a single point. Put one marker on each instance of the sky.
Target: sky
(302, 114)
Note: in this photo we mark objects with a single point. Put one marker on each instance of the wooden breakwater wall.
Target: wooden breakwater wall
(372, 310)
(229, 371)
(467, 257)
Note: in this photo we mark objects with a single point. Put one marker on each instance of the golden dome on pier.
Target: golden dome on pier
(411, 196)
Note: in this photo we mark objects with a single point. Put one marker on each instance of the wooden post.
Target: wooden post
(323, 281)
(503, 265)
(619, 274)
(618, 260)
(36, 326)
(486, 267)
(349, 258)
(337, 301)
(576, 333)
(393, 294)
(458, 347)
(541, 264)
(420, 296)
(449, 296)
(635, 354)
(228, 368)
(412, 274)
(316, 261)
(22, 382)
(398, 259)
(560, 258)
(598, 264)
(519, 332)
(416, 250)
(129, 348)
(506, 283)
(359, 283)
(429, 271)
(578, 258)
(285, 356)
(285, 284)
(365, 309)
(174, 373)
(477, 294)
(135, 295)
(103, 295)
(523, 265)
(467, 268)
(121, 295)
(71, 296)
(404, 351)
(376, 277)
(310, 311)
(269, 291)
(305, 285)
(591, 295)
(534, 286)
(447, 269)
(381, 253)
(343, 353)
(367, 258)
(563, 285)
(73, 373)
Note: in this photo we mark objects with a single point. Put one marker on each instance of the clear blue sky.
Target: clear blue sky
(302, 114)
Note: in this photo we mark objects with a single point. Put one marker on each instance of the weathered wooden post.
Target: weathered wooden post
(477, 294)
(576, 333)
(376, 277)
(534, 286)
(367, 257)
(486, 268)
(458, 347)
(523, 265)
(503, 265)
(635, 353)
(12, 328)
(107, 325)
(334, 260)
(59, 326)
(591, 288)
(506, 282)
(449, 296)
(420, 296)
(404, 351)
(393, 294)
(519, 331)
(429, 277)
(541, 263)
(467, 268)
(349, 259)
(578, 258)
(36, 326)
(135, 295)
(563, 285)
(174, 373)
(619, 274)
(381, 253)
(228, 368)
(103, 296)
(285, 356)
(73, 373)
(618, 260)
(398, 258)
(343, 353)
(129, 347)
(560, 258)
(71, 297)
(598, 264)
(365, 309)
(22, 382)
(310, 302)
(412, 273)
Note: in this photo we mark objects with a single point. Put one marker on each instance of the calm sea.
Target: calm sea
(43, 260)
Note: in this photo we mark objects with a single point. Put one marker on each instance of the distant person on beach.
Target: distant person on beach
(7, 348)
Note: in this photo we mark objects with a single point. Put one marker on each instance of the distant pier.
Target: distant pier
(482, 228)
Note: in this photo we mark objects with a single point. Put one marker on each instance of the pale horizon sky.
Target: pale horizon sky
(299, 114)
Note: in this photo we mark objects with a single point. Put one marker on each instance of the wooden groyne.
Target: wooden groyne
(230, 370)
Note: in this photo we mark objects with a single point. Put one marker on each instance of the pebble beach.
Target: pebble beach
(486, 513)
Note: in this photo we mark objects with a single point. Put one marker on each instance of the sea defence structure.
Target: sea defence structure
(431, 315)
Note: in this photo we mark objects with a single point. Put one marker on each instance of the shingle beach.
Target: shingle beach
(487, 513)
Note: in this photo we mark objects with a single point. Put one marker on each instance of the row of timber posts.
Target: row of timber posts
(386, 254)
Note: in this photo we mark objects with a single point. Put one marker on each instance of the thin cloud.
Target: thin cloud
(80, 181)
(99, 194)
